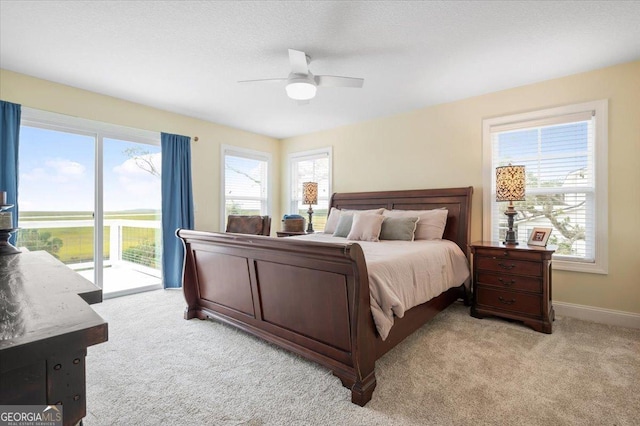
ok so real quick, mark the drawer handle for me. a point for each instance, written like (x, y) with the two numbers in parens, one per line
(507, 267)
(505, 254)
(506, 302)
(507, 283)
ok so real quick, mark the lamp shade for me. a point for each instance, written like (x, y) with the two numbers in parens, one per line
(510, 183)
(310, 192)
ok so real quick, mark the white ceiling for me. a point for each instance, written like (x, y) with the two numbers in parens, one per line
(187, 56)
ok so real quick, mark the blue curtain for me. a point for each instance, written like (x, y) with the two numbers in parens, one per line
(177, 204)
(9, 138)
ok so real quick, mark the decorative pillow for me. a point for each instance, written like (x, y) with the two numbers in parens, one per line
(332, 221)
(344, 225)
(334, 216)
(431, 225)
(366, 227)
(398, 228)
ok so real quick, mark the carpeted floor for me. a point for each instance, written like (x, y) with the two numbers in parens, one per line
(158, 369)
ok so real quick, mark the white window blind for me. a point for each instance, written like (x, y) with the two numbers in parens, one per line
(311, 166)
(559, 149)
(245, 182)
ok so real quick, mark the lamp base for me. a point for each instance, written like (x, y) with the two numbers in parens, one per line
(510, 238)
(310, 225)
(510, 241)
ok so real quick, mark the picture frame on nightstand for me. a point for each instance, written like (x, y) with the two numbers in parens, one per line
(539, 237)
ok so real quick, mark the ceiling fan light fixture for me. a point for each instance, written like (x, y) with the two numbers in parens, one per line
(301, 85)
(301, 89)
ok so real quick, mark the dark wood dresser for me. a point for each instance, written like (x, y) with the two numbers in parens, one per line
(513, 282)
(46, 327)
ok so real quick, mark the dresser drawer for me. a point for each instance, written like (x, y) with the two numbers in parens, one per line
(508, 266)
(509, 301)
(511, 282)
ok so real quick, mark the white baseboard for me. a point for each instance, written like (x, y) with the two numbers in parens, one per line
(599, 315)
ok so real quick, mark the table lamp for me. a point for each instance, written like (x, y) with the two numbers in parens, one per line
(510, 183)
(310, 197)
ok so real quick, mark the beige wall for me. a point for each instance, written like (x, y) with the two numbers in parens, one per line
(441, 146)
(48, 96)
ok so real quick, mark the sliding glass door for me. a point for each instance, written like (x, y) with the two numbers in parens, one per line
(131, 215)
(92, 200)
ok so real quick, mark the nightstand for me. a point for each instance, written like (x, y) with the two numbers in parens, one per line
(289, 234)
(513, 282)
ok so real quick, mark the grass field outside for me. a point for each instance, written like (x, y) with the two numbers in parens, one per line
(74, 244)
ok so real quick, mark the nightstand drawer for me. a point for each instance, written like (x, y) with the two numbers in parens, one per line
(511, 282)
(500, 253)
(509, 301)
(509, 266)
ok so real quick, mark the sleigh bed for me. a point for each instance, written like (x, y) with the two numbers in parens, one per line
(313, 298)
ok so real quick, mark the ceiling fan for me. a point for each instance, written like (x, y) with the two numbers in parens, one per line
(302, 85)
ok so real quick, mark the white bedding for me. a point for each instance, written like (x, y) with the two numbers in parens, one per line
(404, 274)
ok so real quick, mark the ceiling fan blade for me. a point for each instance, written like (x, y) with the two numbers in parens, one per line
(298, 62)
(335, 81)
(265, 80)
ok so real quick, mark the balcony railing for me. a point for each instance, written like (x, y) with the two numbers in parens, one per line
(136, 244)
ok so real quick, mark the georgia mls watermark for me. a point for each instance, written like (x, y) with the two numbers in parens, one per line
(30, 415)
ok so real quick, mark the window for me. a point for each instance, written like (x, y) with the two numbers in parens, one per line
(310, 166)
(245, 182)
(564, 151)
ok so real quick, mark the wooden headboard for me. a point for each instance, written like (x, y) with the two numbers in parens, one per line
(456, 200)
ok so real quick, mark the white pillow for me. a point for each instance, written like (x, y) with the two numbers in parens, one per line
(334, 217)
(332, 221)
(366, 227)
(431, 224)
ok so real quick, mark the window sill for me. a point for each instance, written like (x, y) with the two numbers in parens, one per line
(590, 268)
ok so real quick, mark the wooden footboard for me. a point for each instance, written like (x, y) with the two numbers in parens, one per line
(310, 298)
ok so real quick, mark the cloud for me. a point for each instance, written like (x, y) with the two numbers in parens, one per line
(56, 184)
(57, 170)
(66, 168)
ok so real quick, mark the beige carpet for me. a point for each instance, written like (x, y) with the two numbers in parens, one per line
(157, 369)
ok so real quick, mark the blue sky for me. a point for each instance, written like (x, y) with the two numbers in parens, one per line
(57, 173)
